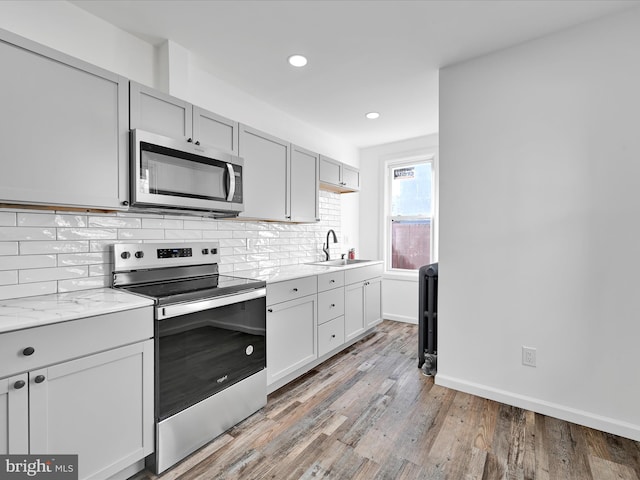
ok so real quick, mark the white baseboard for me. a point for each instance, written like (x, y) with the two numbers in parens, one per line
(581, 417)
(400, 318)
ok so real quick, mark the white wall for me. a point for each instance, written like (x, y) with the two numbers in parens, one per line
(539, 200)
(71, 30)
(399, 292)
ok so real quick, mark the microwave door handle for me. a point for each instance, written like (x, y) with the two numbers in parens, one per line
(232, 182)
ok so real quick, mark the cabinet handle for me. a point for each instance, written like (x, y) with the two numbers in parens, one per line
(39, 378)
(28, 351)
(332, 281)
(19, 384)
(333, 336)
(190, 140)
(270, 310)
(125, 204)
(333, 305)
(295, 289)
(197, 142)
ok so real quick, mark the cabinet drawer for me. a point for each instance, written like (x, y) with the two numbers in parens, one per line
(330, 304)
(66, 340)
(327, 281)
(291, 289)
(354, 275)
(330, 335)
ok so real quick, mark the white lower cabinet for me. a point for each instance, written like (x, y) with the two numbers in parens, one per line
(291, 328)
(363, 299)
(311, 318)
(98, 406)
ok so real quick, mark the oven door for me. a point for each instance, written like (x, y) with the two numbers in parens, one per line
(203, 351)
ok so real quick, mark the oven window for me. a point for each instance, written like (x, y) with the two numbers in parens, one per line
(203, 353)
(170, 175)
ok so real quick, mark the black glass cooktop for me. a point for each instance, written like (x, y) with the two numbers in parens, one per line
(175, 291)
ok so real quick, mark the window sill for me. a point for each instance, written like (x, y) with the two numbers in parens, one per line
(410, 276)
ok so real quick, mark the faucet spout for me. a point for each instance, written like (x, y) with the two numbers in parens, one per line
(325, 246)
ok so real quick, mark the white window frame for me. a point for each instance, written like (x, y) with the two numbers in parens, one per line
(386, 223)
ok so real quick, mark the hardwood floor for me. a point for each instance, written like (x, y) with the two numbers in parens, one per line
(369, 413)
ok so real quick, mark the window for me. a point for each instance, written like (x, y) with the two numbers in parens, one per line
(410, 214)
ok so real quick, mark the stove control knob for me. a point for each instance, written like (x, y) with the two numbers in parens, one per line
(139, 254)
(125, 255)
(205, 251)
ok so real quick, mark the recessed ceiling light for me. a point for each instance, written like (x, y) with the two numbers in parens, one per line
(372, 115)
(298, 60)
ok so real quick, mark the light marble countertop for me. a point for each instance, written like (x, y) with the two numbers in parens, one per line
(20, 313)
(290, 272)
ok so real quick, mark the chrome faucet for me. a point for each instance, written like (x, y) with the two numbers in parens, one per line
(325, 247)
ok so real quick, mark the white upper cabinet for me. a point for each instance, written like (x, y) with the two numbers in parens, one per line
(63, 129)
(157, 112)
(338, 177)
(265, 175)
(280, 179)
(304, 185)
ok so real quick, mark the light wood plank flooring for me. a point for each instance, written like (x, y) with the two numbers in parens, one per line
(369, 413)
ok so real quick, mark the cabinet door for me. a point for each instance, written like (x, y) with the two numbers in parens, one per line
(215, 131)
(329, 170)
(353, 310)
(373, 302)
(14, 415)
(100, 407)
(64, 129)
(265, 175)
(291, 336)
(350, 177)
(304, 185)
(160, 113)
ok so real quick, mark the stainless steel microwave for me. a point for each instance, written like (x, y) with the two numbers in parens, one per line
(169, 174)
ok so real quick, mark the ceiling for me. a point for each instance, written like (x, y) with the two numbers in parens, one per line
(363, 55)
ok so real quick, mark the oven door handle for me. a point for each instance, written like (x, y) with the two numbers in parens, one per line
(192, 307)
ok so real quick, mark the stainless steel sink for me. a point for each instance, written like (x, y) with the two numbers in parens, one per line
(339, 263)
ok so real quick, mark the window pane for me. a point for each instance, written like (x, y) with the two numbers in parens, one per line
(411, 190)
(410, 243)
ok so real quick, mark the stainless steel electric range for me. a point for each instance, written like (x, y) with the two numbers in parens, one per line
(210, 342)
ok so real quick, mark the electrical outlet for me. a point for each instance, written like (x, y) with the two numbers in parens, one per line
(529, 356)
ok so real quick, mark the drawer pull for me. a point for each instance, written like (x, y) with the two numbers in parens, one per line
(270, 310)
(333, 305)
(332, 281)
(19, 384)
(39, 378)
(333, 336)
(295, 289)
(28, 351)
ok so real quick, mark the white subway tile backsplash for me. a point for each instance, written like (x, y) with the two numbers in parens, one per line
(162, 223)
(51, 220)
(27, 233)
(183, 234)
(8, 248)
(9, 277)
(45, 274)
(84, 283)
(87, 233)
(200, 225)
(7, 219)
(140, 234)
(83, 258)
(27, 290)
(40, 247)
(47, 252)
(20, 262)
(115, 222)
